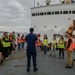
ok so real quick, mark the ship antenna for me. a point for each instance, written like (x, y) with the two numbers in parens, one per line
(34, 3)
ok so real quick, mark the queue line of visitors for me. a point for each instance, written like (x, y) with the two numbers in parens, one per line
(8, 44)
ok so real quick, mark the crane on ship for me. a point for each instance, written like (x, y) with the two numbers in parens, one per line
(71, 27)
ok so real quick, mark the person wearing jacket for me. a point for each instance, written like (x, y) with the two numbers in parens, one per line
(6, 45)
(69, 50)
(23, 41)
(31, 49)
(45, 43)
(61, 47)
(38, 44)
(19, 41)
(14, 40)
(53, 48)
(1, 53)
(11, 43)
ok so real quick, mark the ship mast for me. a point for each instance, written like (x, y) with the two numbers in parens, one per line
(34, 3)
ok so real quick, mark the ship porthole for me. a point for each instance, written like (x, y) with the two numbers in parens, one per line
(55, 26)
(69, 18)
(45, 26)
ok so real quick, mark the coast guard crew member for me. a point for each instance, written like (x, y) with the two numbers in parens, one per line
(31, 49)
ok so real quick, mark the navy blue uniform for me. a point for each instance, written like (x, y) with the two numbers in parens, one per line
(31, 48)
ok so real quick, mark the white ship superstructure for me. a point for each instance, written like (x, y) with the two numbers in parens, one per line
(53, 19)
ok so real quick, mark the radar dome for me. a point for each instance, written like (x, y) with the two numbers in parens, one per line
(47, 2)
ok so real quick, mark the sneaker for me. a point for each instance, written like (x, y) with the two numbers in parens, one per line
(7, 58)
(35, 69)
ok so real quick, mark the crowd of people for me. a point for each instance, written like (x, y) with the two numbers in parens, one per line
(8, 44)
(34, 45)
(62, 45)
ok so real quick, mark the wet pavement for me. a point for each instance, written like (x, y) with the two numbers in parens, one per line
(47, 65)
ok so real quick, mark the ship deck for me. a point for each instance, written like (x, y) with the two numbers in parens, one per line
(47, 65)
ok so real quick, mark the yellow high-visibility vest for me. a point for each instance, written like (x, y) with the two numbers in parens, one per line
(5, 44)
(45, 42)
(61, 45)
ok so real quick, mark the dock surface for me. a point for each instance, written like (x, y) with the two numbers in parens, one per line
(47, 65)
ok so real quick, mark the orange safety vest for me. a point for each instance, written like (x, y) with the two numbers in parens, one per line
(38, 42)
(11, 39)
(18, 40)
(22, 39)
(71, 45)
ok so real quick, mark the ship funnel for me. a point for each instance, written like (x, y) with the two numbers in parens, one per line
(67, 1)
(47, 2)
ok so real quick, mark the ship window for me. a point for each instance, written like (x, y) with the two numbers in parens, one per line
(70, 12)
(45, 13)
(33, 14)
(65, 12)
(41, 13)
(38, 14)
(52, 13)
(60, 12)
(69, 18)
(48, 13)
(56, 12)
(73, 11)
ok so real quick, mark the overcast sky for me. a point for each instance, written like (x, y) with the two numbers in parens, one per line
(15, 14)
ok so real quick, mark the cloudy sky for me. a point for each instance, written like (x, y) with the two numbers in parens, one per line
(15, 14)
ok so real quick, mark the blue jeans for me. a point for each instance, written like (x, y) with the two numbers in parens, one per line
(53, 50)
(45, 50)
(19, 45)
(22, 45)
(38, 48)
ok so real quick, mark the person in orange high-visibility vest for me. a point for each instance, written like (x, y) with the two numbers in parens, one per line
(11, 42)
(70, 44)
(19, 41)
(74, 45)
(23, 41)
(38, 43)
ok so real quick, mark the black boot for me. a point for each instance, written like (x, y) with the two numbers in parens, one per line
(28, 69)
(1, 62)
(35, 69)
